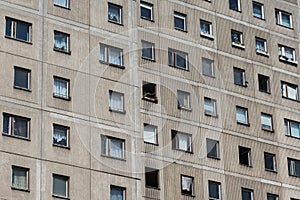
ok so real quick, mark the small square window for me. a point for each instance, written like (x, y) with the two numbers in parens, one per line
(287, 54)
(22, 78)
(149, 92)
(261, 46)
(184, 101)
(62, 3)
(235, 5)
(266, 122)
(272, 197)
(61, 42)
(214, 190)
(150, 134)
(116, 101)
(289, 90)
(152, 178)
(210, 107)
(117, 193)
(294, 167)
(206, 29)
(270, 162)
(242, 115)
(20, 178)
(181, 141)
(187, 185)
(237, 39)
(258, 10)
(112, 147)
(247, 194)
(61, 135)
(148, 50)
(60, 186)
(239, 77)
(245, 156)
(18, 30)
(114, 13)
(283, 18)
(212, 147)
(16, 126)
(208, 67)
(264, 83)
(292, 128)
(180, 21)
(146, 11)
(178, 59)
(61, 88)
(111, 55)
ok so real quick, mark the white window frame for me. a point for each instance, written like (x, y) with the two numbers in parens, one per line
(273, 160)
(286, 87)
(11, 126)
(186, 96)
(58, 94)
(174, 53)
(282, 54)
(211, 64)
(57, 3)
(67, 179)
(176, 135)
(107, 140)
(120, 13)
(146, 44)
(292, 167)
(182, 17)
(261, 8)
(13, 30)
(288, 128)
(184, 187)
(213, 102)
(149, 7)
(219, 190)
(245, 110)
(248, 190)
(67, 50)
(205, 34)
(155, 136)
(23, 169)
(238, 4)
(279, 14)
(263, 51)
(121, 95)
(264, 126)
(28, 71)
(106, 56)
(67, 132)
(240, 37)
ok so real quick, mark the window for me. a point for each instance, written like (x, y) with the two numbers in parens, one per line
(239, 77)
(235, 5)
(148, 50)
(61, 42)
(60, 186)
(114, 13)
(22, 78)
(16, 126)
(212, 147)
(214, 190)
(111, 55)
(116, 101)
(206, 29)
(283, 18)
(289, 90)
(258, 10)
(61, 87)
(245, 156)
(292, 128)
(270, 162)
(286, 54)
(210, 107)
(272, 197)
(187, 185)
(208, 67)
(152, 177)
(18, 30)
(183, 100)
(179, 21)
(117, 193)
(112, 147)
(147, 11)
(247, 194)
(149, 92)
(150, 134)
(237, 39)
(294, 167)
(266, 122)
(261, 46)
(242, 115)
(181, 141)
(264, 83)
(178, 59)
(62, 3)
(61, 135)
(20, 178)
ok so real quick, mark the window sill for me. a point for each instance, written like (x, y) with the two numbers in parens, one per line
(272, 171)
(295, 176)
(59, 197)
(212, 157)
(285, 59)
(268, 130)
(59, 6)
(180, 29)
(146, 58)
(61, 51)
(21, 88)
(153, 188)
(211, 114)
(16, 39)
(246, 165)
(262, 53)
(112, 65)
(259, 18)
(62, 98)
(291, 136)
(61, 146)
(285, 26)
(296, 100)
(117, 23)
(242, 123)
(20, 189)
(237, 45)
(185, 69)
(145, 18)
(245, 85)
(184, 108)
(267, 92)
(236, 10)
(17, 137)
(153, 100)
(208, 36)
(154, 144)
(188, 195)
(116, 158)
(189, 152)
(117, 111)
(210, 76)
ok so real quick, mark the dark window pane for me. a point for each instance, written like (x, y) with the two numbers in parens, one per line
(60, 136)
(8, 30)
(238, 76)
(180, 61)
(213, 188)
(269, 161)
(233, 4)
(21, 78)
(22, 32)
(263, 82)
(146, 13)
(246, 195)
(272, 197)
(179, 22)
(244, 155)
(212, 150)
(6, 127)
(297, 168)
(20, 127)
(151, 177)
(59, 186)
(170, 58)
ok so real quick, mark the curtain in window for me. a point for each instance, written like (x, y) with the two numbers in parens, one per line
(292, 92)
(103, 53)
(60, 42)
(289, 53)
(285, 18)
(116, 148)
(63, 3)
(116, 101)
(116, 194)
(150, 134)
(186, 183)
(266, 121)
(20, 127)
(60, 136)
(6, 124)
(233, 4)
(183, 99)
(295, 131)
(183, 142)
(209, 106)
(115, 56)
(260, 45)
(257, 10)
(19, 179)
(60, 88)
(241, 115)
(236, 37)
(297, 168)
(59, 186)
(114, 13)
(205, 28)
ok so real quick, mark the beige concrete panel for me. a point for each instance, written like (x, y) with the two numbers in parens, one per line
(216, 177)
(216, 80)
(78, 11)
(6, 163)
(151, 38)
(208, 5)
(269, 15)
(152, 25)
(28, 4)
(222, 7)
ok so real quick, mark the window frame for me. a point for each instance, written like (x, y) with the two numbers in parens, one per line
(219, 190)
(155, 134)
(152, 172)
(246, 116)
(185, 95)
(28, 71)
(175, 137)
(151, 97)
(106, 55)
(68, 39)
(292, 167)
(278, 18)
(282, 54)
(243, 73)
(248, 190)
(287, 125)
(213, 102)
(11, 128)
(261, 8)
(204, 34)
(238, 44)
(287, 95)
(238, 9)
(271, 129)
(152, 50)
(148, 6)
(174, 53)
(58, 95)
(273, 160)
(113, 109)
(67, 184)
(192, 185)
(245, 150)
(272, 196)
(211, 65)
(265, 78)
(215, 143)
(123, 189)
(120, 22)
(67, 132)
(107, 153)
(263, 52)
(24, 169)
(61, 6)
(181, 16)
(13, 29)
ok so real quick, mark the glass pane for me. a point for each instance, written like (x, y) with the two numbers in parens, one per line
(60, 136)
(184, 142)
(181, 60)
(233, 4)
(171, 58)
(272, 197)
(60, 186)
(207, 67)
(295, 131)
(60, 88)
(8, 29)
(183, 99)
(269, 162)
(292, 92)
(114, 13)
(285, 18)
(147, 50)
(289, 53)
(260, 45)
(116, 193)
(241, 115)
(20, 127)
(246, 195)
(103, 145)
(236, 37)
(63, 3)
(115, 56)
(150, 134)
(116, 148)
(238, 76)
(22, 31)
(297, 168)
(209, 106)
(21, 78)
(179, 22)
(116, 101)
(19, 178)
(212, 150)
(103, 53)
(186, 183)
(257, 10)
(213, 190)
(61, 42)
(266, 121)
(6, 124)
(146, 12)
(205, 27)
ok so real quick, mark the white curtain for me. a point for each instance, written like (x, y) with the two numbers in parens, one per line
(116, 148)
(295, 131)
(183, 142)
(260, 45)
(63, 3)
(241, 115)
(60, 42)
(103, 50)
(292, 92)
(285, 20)
(115, 56)
(205, 28)
(60, 136)
(116, 101)
(186, 183)
(209, 106)
(183, 99)
(20, 178)
(150, 134)
(116, 194)
(289, 54)
(60, 88)
(114, 14)
(266, 121)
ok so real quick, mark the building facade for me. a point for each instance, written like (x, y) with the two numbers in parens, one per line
(153, 99)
